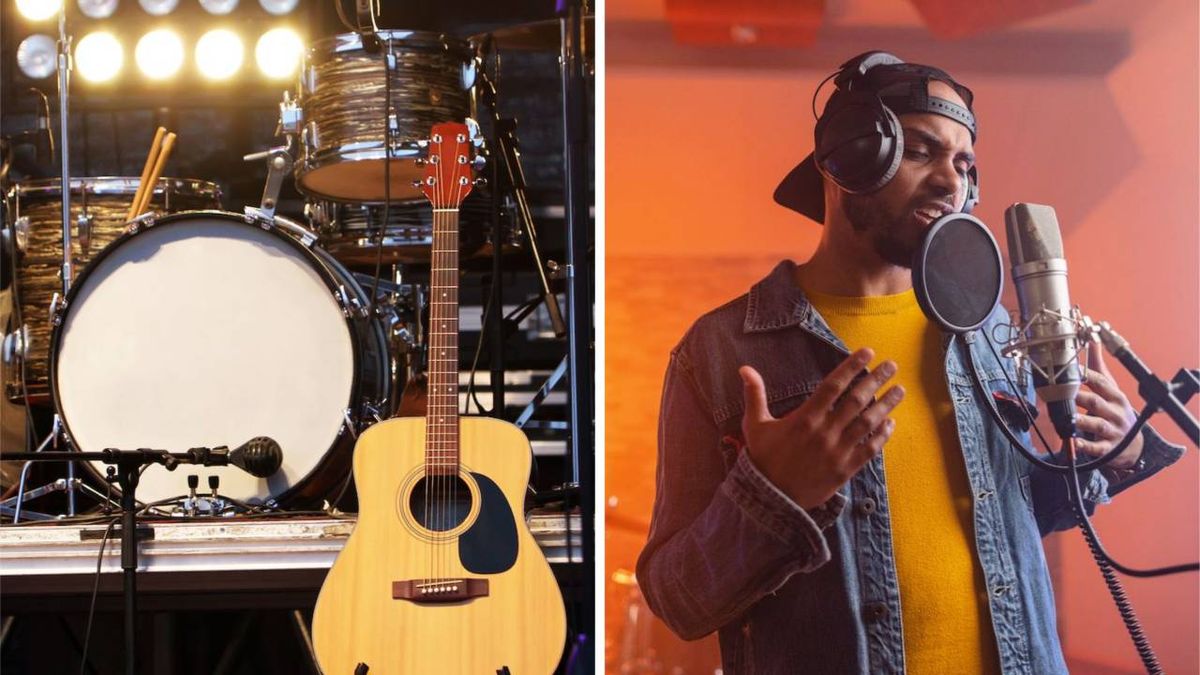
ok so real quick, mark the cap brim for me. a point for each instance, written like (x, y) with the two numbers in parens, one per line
(803, 190)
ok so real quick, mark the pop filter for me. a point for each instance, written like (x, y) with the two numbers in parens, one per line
(958, 273)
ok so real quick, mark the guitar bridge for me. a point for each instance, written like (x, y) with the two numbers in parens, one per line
(436, 591)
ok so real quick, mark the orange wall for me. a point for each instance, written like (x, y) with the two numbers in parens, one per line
(692, 158)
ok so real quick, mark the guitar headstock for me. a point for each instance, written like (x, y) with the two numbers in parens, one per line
(448, 168)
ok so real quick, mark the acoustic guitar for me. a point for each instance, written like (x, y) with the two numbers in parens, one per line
(441, 575)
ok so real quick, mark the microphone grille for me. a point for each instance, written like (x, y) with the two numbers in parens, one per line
(1033, 233)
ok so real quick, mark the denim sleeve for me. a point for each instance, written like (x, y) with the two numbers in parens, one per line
(721, 536)
(1051, 501)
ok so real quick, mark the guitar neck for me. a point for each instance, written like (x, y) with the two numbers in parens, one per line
(441, 417)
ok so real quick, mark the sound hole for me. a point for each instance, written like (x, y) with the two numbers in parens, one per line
(440, 503)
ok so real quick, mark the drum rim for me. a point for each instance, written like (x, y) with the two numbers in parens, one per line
(38, 185)
(59, 320)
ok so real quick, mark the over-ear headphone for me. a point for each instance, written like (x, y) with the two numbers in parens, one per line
(859, 140)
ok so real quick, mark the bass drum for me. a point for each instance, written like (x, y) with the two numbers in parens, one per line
(209, 328)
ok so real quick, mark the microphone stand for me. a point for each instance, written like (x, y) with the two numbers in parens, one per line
(1170, 397)
(128, 466)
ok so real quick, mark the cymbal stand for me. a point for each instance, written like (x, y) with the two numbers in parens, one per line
(505, 129)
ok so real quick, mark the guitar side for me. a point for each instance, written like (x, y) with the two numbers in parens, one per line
(517, 621)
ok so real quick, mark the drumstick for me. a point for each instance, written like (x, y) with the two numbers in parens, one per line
(168, 143)
(150, 157)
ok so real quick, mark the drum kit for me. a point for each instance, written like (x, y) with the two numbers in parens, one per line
(193, 326)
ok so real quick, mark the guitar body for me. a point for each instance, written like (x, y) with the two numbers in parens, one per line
(517, 621)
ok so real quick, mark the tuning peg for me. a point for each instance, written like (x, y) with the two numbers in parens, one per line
(479, 162)
(481, 181)
(416, 183)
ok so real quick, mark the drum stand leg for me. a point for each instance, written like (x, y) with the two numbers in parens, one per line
(69, 487)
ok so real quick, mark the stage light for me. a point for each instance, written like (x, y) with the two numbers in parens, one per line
(99, 57)
(159, 54)
(36, 56)
(219, 6)
(219, 54)
(278, 53)
(278, 7)
(158, 7)
(97, 9)
(40, 10)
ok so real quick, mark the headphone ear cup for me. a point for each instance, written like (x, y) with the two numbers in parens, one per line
(859, 145)
(972, 190)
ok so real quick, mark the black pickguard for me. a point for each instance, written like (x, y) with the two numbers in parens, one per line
(490, 545)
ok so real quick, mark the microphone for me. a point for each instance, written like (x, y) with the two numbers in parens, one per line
(1050, 339)
(260, 456)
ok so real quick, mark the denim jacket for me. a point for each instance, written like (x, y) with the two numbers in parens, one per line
(815, 591)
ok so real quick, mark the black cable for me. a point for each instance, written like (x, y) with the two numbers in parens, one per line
(1019, 445)
(387, 177)
(341, 12)
(817, 91)
(472, 392)
(1076, 493)
(1072, 470)
(87, 634)
(1106, 565)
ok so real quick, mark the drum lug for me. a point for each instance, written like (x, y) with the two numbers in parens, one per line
(83, 225)
(351, 307)
(16, 345)
(146, 220)
(291, 115)
(348, 424)
(21, 234)
(58, 305)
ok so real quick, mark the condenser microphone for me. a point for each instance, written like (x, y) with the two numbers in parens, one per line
(1049, 337)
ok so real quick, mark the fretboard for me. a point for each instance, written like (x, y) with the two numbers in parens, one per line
(441, 417)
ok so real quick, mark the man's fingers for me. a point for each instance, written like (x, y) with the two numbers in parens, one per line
(754, 393)
(1102, 383)
(860, 396)
(872, 445)
(872, 417)
(1099, 407)
(837, 381)
(1098, 427)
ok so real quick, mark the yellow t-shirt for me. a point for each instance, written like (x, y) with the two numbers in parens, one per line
(943, 597)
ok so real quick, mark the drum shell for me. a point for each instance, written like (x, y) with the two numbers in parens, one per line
(38, 205)
(351, 231)
(342, 96)
(370, 388)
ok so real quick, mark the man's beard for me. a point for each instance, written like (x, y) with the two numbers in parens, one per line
(891, 235)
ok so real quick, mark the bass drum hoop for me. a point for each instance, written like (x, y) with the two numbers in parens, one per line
(315, 483)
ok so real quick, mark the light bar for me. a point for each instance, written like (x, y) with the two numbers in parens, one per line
(278, 53)
(159, 54)
(219, 54)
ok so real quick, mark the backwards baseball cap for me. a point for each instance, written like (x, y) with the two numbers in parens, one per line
(901, 87)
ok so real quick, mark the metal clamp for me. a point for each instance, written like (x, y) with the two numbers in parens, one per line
(83, 225)
(291, 115)
(279, 164)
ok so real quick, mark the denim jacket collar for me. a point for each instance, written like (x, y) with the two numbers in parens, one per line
(777, 302)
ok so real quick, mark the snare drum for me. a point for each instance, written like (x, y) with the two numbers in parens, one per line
(342, 93)
(209, 328)
(98, 209)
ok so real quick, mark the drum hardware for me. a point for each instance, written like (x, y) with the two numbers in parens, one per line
(271, 283)
(510, 154)
(279, 164)
(129, 465)
(345, 101)
(98, 209)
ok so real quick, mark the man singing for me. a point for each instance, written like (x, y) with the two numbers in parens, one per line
(833, 495)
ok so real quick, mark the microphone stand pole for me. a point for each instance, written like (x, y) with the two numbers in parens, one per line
(64, 147)
(1170, 397)
(128, 467)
